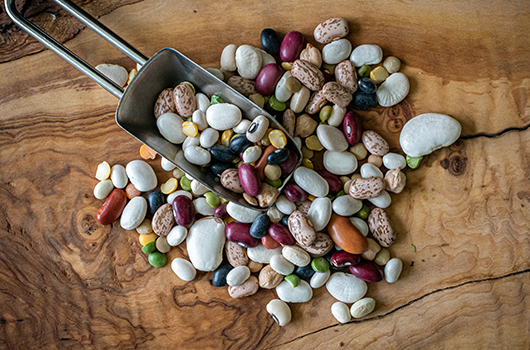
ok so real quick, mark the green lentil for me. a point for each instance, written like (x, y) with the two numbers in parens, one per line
(274, 183)
(325, 113)
(276, 105)
(331, 197)
(149, 247)
(341, 193)
(212, 199)
(185, 183)
(157, 259)
(216, 99)
(363, 213)
(413, 162)
(320, 265)
(257, 99)
(364, 71)
(293, 279)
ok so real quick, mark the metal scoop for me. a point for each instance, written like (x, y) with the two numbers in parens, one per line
(166, 69)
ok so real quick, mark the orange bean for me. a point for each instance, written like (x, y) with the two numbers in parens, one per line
(147, 153)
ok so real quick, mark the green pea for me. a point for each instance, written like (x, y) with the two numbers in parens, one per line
(276, 105)
(216, 99)
(212, 199)
(257, 99)
(320, 265)
(341, 193)
(325, 113)
(185, 183)
(190, 119)
(223, 200)
(149, 247)
(363, 213)
(157, 259)
(413, 162)
(293, 279)
(364, 71)
(274, 183)
(190, 85)
(322, 123)
(329, 67)
(331, 196)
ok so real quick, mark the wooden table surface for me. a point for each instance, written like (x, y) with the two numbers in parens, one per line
(68, 282)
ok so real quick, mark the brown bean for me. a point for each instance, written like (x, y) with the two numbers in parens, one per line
(163, 220)
(244, 86)
(315, 104)
(346, 75)
(308, 74)
(111, 210)
(164, 103)
(336, 93)
(184, 100)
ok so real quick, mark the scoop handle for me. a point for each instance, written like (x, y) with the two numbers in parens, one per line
(68, 55)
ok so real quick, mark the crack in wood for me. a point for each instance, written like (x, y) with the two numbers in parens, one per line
(413, 301)
(497, 134)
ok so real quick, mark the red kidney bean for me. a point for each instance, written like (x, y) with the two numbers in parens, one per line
(220, 212)
(367, 270)
(267, 79)
(112, 208)
(294, 193)
(184, 211)
(262, 162)
(289, 165)
(269, 242)
(353, 129)
(239, 232)
(292, 44)
(281, 234)
(335, 185)
(249, 179)
(342, 258)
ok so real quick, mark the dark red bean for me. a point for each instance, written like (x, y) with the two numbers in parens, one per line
(267, 79)
(249, 179)
(112, 208)
(353, 129)
(367, 271)
(292, 44)
(239, 232)
(220, 212)
(342, 258)
(184, 211)
(335, 185)
(289, 165)
(294, 193)
(281, 234)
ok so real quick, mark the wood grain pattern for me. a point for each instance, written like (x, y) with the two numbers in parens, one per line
(68, 282)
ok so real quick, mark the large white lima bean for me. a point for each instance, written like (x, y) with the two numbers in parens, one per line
(299, 294)
(311, 182)
(393, 90)
(428, 132)
(320, 213)
(340, 163)
(366, 54)
(141, 175)
(170, 127)
(223, 116)
(134, 213)
(280, 311)
(183, 269)
(346, 287)
(205, 243)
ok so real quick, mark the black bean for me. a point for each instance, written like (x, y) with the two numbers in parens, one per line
(270, 41)
(278, 156)
(155, 200)
(260, 226)
(362, 100)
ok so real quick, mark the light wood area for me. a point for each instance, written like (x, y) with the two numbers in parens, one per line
(68, 282)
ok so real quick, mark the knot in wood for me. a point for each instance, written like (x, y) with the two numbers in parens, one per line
(457, 165)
